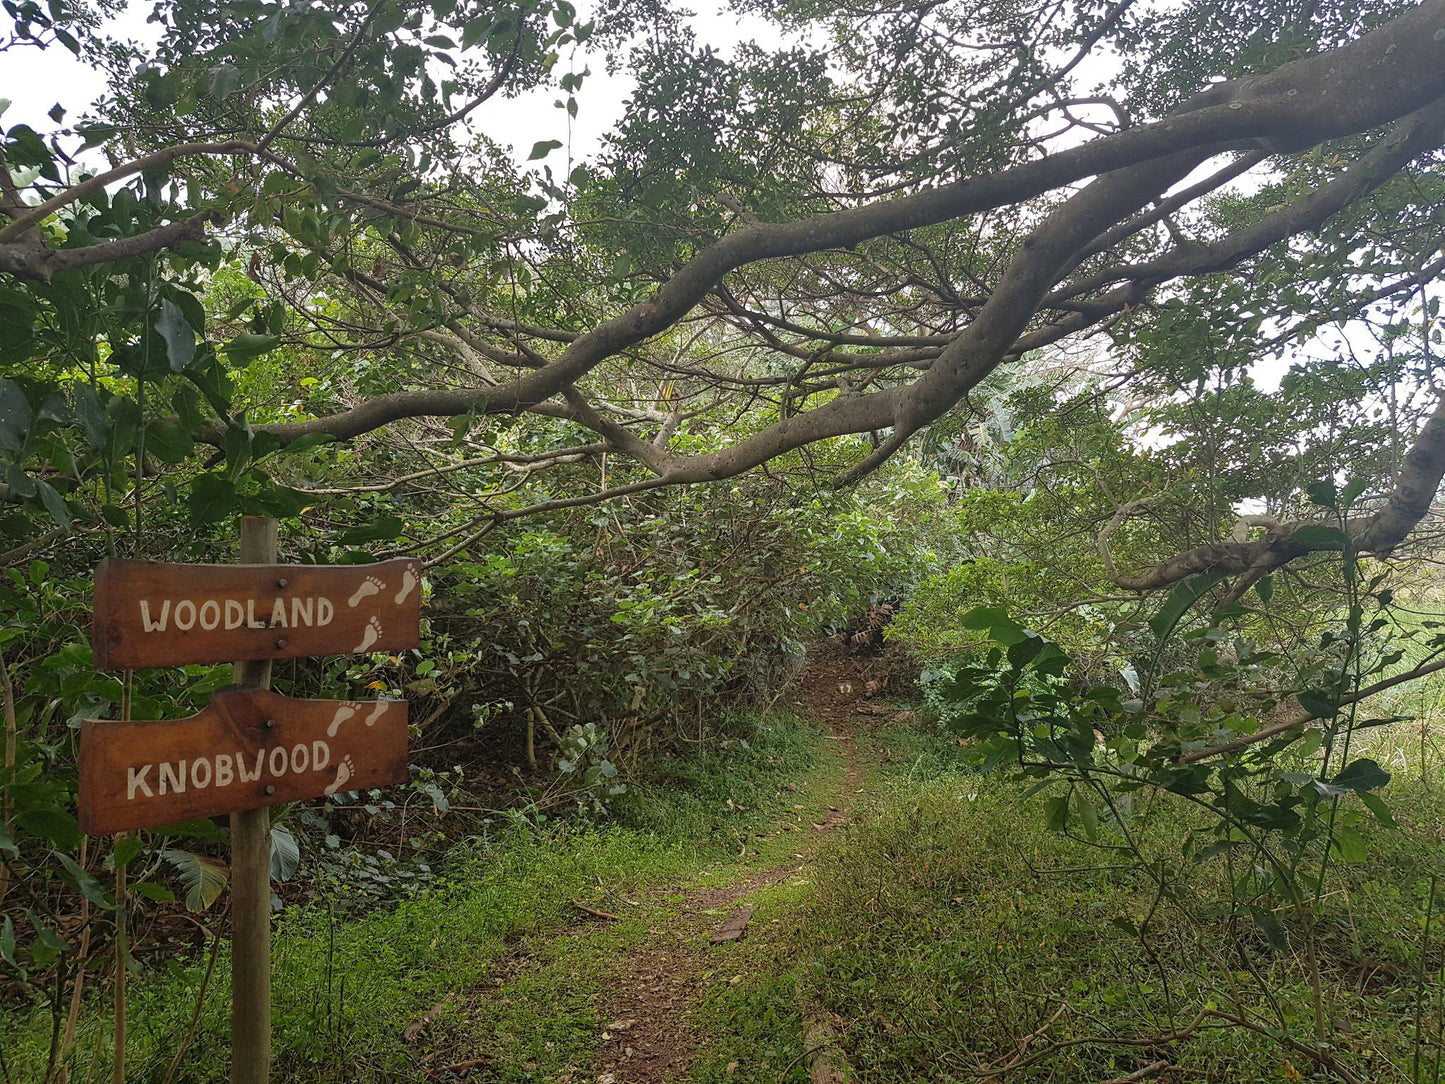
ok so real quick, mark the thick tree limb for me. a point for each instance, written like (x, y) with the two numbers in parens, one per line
(1388, 73)
(1377, 534)
(34, 261)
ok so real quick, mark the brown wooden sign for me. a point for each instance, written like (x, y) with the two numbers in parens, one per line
(249, 748)
(153, 614)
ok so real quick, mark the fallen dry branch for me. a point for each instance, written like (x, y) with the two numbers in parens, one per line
(1152, 1069)
(1300, 718)
(607, 915)
(827, 1064)
(421, 1023)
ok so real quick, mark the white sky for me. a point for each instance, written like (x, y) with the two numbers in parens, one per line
(35, 80)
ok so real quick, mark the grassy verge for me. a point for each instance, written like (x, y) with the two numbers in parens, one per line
(951, 925)
(345, 989)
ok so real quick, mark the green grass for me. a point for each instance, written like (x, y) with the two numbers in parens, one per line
(345, 988)
(951, 924)
(937, 929)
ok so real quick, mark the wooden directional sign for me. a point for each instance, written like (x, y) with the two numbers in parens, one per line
(249, 748)
(153, 614)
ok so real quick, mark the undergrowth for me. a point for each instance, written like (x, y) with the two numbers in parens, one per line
(346, 986)
(957, 938)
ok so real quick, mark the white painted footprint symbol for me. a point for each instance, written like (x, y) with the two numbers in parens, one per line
(346, 711)
(369, 635)
(344, 771)
(369, 586)
(409, 580)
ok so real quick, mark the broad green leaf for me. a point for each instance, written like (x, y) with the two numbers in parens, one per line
(54, 503)
(542, 148)
(1349, 845)
(92, 415)
(225, 80)
(55, 825)
(179, 336)
(1380, 808)
(1323, 493)
(285, 854)
(996, 621)
(83, 882)
(309, 441)
(169, 442)
(1269, 925)
(213, 498)
(1181, 600)
(15, 416)
(1088, 814)
(126, 848)
(1264, 588)
(204, 878)
(1361, 775)
(1318, 703)
(1056, 812)
(383, 529)
(244, 349)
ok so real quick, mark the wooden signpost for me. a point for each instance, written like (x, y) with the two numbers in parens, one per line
(249, 748)
(153, 614)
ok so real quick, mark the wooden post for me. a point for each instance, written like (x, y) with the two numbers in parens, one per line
(251, 878)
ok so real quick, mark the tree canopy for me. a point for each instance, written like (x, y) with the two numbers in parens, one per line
(814, 247)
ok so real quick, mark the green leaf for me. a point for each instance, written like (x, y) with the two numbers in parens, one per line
(152, 891)
(204, 878)
(237, 446)
(384, 529)
(285, 854)
(83, 882)
(542, 148)
(1264, 588)
(7, 942)
(54, 504)
(1056, 813)
(1318, 703)
(994, 620)
(309, 441)
(180, 337)
(213, 498)
(225, 80)
(1089, 815)
(279, 502)
(169, 442)
(1380, 808)
(1270, 926)
(55, 825)
(126, 848)
(1323, 493)
(92, 415)
(1349, 845)
(244, 349)
(1362, 775)
(15, 416)
(1181, 600)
